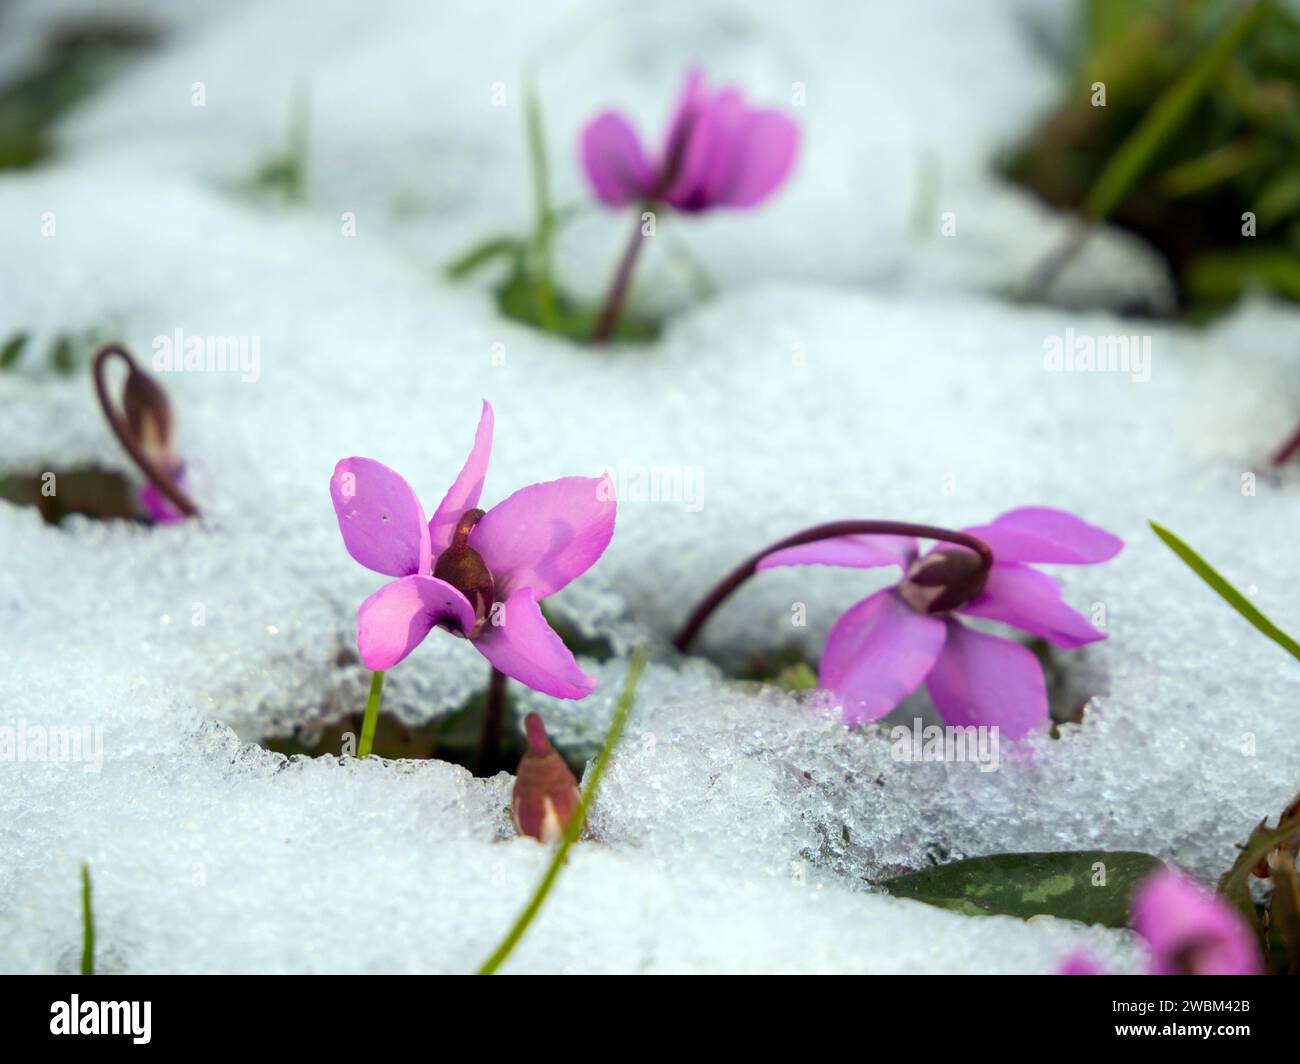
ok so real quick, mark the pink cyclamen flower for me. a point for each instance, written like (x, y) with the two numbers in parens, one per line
(1188, 931)
(477, 575)
(160, 509)
(1191, 931)
(881, 650)
(719, 152)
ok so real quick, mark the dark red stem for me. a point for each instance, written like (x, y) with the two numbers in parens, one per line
(161, 480)
(618, 289)
(1287, 449)
(835, 529)
(489, 740)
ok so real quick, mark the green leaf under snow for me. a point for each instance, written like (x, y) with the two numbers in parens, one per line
(1226, 591)
(1091, 886)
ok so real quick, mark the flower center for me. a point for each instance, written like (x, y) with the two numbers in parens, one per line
(943, 580)
(464, 569)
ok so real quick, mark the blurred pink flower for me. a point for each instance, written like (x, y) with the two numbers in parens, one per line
(160, 509)
(719, 152)
(881, 650)
(1188, 931)
(477, 575)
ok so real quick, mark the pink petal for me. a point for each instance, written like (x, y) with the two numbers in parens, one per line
(1031, 601)
(156, 504)
(1190, 930)
(690, 102)
(381, 519)
(616, 166)
(760, 158)
(545, 535)
(704, 155)
(1041, 534)
(1078, 963)
(878, 653)
(525, 648)
(464, 493)
(849, 552)
(395, 619)
(983, 679)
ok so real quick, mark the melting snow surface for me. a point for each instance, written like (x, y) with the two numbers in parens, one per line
(852, 366)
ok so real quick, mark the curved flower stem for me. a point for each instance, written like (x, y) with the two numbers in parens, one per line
(122, 431)
(1287, 449)
(747, 568)
(613, 306)
(574, 827)
(489, 739)
(371, 720)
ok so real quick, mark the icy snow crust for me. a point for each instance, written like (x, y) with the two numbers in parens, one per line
(740, 827)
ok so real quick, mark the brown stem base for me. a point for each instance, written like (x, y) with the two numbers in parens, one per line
(488, 759)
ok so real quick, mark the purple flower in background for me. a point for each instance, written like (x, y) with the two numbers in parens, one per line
(477, 575)
(719, 152)
(1188, 931)
(881, 650)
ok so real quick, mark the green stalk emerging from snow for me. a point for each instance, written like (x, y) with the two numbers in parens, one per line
(574, 827)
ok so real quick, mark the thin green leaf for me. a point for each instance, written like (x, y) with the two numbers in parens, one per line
(1132, 159)
(63, 356)
(13, 350)
(545, 217)
(1091, 886)
(574, 827)
(87, 924)
(481, 254)
(1226, 591)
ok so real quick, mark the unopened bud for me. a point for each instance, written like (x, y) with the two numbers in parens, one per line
(148, 414)
(546, 790)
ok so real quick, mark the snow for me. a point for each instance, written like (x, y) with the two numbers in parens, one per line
(851, 367)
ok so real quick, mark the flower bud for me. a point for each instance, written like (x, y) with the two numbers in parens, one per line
(943, 580)
(546, 791)
(148, 415)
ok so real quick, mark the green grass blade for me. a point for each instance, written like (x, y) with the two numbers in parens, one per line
(574, 827)
(12, 350)
(1132, 159)
(539, 165)
(87, 924)
(1226, 591)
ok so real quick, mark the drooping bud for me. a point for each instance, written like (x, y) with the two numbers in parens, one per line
(546, 790)
(464, 569)
(943, 580)
(148, 415)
